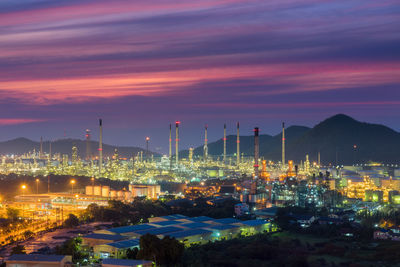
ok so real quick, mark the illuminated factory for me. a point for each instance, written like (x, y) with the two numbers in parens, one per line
(114, 242)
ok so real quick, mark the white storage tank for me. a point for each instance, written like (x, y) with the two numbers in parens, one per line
(113, 194)
(140, 191)
(157, 189)
(89, 190)
(150, 191)
(105, 191)
(97, 190)
(127, 195)
(120, 194)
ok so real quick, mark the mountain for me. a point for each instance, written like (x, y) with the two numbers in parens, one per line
(21, 146)
(334, 138)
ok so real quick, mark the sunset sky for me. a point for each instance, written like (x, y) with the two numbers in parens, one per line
(141, 65)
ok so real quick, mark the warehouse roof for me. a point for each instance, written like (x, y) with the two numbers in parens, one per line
(125, 243)
(200, 219)
(165, 223)
(131, 228)
(121, 262)
(223, 227)
(36, 257)
(159, 231)
(104, 236)
(189, 233)
(227, 220)
(254, 222)
(195, 225)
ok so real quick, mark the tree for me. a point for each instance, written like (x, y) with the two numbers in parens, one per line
(132, 253)
(172, 251)
(27, 234)
(167, 251)
(12, 214)
(18, 249)
(72, 247)
(71, 221)
(150, 247)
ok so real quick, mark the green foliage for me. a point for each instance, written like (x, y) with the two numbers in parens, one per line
(27, 234)
(72, 247)
(224, 209)
(12, 214)
(71, 221)
(18, 249)
(258, 250)
(125, 213)
(167, 251)
(132, 253)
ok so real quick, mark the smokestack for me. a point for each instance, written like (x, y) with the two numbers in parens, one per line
(49, 151)
(256, 152)
(147, 148)
(224, 143)
(177, 142)
(319, 158)
(41, 147)
(101, 146)
(88, 148)
(237, 145)
(283, 144)
(170, 142)
(205, 152)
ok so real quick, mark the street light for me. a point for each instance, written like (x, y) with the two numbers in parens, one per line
(37, 186)
(72, 185)
(92, 179)
(23, 187)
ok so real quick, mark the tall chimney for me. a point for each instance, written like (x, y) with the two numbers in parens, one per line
(147, 148)
(88, 150)
(177, 142)
(237, 145)
(205, 152)
(50, 152)
(170, 142)
(224, 143)
(283, 145)
(256, 153)
(319, 158)
(41, 148)
(101, 146)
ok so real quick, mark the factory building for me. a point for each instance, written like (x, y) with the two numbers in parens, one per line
(34, 260)
(114, 242)
(126, 263)
(139, 190)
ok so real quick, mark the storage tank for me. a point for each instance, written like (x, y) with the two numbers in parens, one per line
(97, 190)
(157, 189)
(140, 191)
(252, 198)
(130, 187)
(89, 190)
(127, 195)
(105, 191)
(113, 194)
(244, 198)
(120, 194)
(150, 191)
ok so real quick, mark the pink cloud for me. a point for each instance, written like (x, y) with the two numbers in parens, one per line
(14, 121)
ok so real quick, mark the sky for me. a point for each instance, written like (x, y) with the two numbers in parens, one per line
(141, 65)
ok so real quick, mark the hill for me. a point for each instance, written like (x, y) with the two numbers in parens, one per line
(21, 146)
(334, 138)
